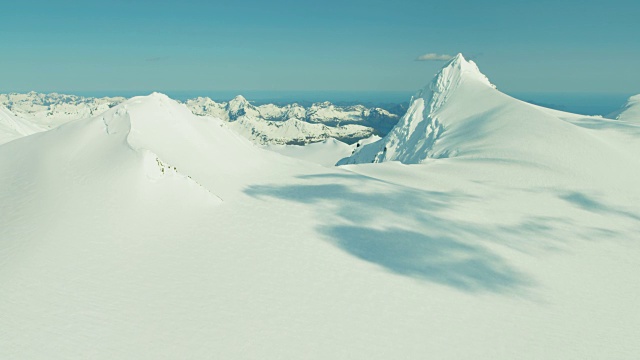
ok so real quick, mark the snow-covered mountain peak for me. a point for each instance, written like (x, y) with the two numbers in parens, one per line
(447, 80)
(238, 102)
(164, 109)
(460, 114)
(172, 140)
(414, 137)
(240, 106)
(159, 96)
(150, 122)
(459, 65)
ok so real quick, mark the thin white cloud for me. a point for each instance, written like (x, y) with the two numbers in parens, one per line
(434, 57)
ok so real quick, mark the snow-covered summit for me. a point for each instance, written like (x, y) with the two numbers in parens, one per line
(461, 114)
(457, 70)
(168, 129)
(412, 140)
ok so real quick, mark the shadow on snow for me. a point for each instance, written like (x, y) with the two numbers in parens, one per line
(433, 253)
(405, 231)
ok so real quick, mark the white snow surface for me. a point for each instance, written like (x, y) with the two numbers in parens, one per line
(148, 232)
(13, 127)
(325, 153)
(630, 111)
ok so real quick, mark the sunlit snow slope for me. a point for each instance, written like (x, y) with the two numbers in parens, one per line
(13, 127)
(630, 111)
(147, 232)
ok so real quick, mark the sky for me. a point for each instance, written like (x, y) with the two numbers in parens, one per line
(278, 45)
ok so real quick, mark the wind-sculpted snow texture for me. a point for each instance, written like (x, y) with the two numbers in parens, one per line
(147, 232)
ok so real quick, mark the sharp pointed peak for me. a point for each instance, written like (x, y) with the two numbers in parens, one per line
(454, 70)
(239, 98)
(458, 58)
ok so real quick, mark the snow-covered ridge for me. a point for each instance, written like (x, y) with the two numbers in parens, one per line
(264, 124)
(13, 127)
(630, 111)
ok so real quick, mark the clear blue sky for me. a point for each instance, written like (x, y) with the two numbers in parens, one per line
(533, 46)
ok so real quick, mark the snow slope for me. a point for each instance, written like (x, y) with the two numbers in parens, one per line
(151, 233)
(630, 111)
(13, 127)
(325, 153)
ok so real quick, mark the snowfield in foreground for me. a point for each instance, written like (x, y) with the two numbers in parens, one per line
(486, 228)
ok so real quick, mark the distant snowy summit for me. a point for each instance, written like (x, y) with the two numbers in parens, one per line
(264, 124)
(461, 114)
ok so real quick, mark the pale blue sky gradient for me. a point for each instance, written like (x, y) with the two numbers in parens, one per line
(523, 46)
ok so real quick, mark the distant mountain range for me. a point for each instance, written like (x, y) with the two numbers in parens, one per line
(263, 124)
